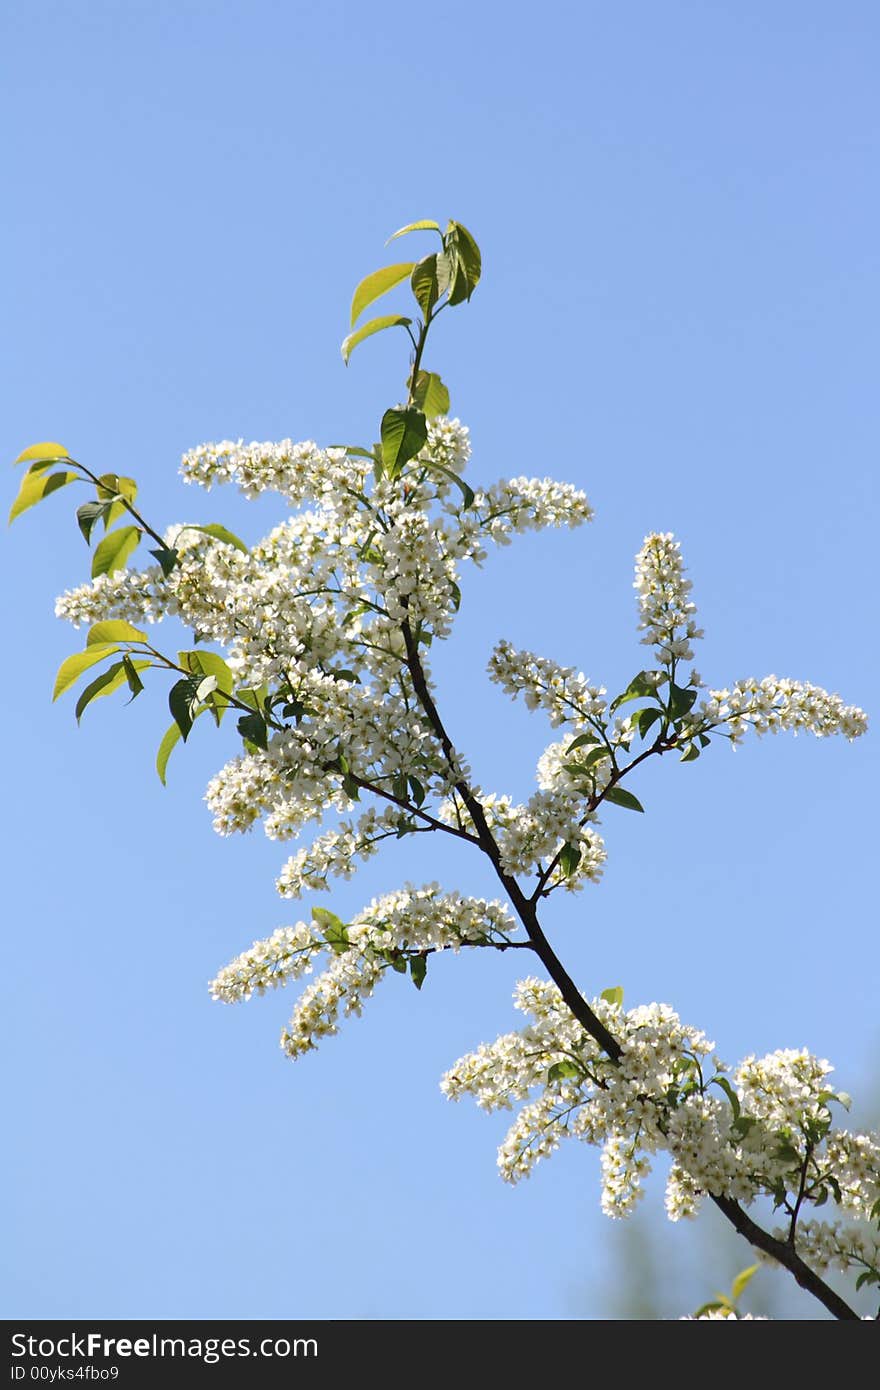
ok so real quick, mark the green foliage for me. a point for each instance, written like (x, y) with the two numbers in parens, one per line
(642, 685)
(73, 667)
(120, 673)
(35, 486)
(613, 995)
(404, 432)
(621, 797)
(426, 225)
(170, 739)
(115, 630)
(374, 286)
(368, 329)
(114, 550)
(563, 1071)
(333, 929)
(728, 1303)
(221, 533)
(430, 395)
(43, 454)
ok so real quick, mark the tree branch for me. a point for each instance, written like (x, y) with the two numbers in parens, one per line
(783, 1253)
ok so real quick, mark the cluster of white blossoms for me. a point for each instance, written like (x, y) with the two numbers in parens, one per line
(773, 705)
(283, 956)
(667, 615)
(296, 471)
(335, 853)
(390, 931)
(531, 836)
(137, 596)
(765, 1129)
(566, 696)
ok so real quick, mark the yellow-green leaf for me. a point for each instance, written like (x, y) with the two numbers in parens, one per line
(373, 286)
(36, 486)
(113, 552)
(368, 329)
(118, 630)
(105, 684)
(426, 225)
(72, 667)
(170, 739)
(742, 1279)
(41, 452)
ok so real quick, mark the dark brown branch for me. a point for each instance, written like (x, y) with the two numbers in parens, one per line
(778, 1250)
(784, 1254)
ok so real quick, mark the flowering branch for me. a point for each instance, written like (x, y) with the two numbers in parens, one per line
(319, 637)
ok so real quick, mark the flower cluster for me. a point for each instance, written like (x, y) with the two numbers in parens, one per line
(773, 705)
(767, 1129)
(335, 853)
(389, 932)
(666, 612)
(568, 698)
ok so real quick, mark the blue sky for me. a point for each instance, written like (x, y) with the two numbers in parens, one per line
(678, 212)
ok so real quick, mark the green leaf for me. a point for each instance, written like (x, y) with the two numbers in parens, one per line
(167, 558)
(426, 225)
(430, 395)
(113, 552)
(644, 718)
(581, 741)
(135, 684)
(255, 697)
(640, 686)
(466, 492)
(681, 700)
(333, 929)
(868, 1276)
(111, 486)
(36, 486)
(418, 791)
(742, 1280)
(72, 667)
(117, 630)
(170, 739)
(464, 253)
(583, 765)
(718, 1305)
(728, 1090)
(620, 797)
(368, 329)
(221, 533)
(204, 663)
(350, 786)
(425, 285)
(105, 684)
(181, 698)
(418, 969)
(569, 858)
(690, 754)
(404, 433)
(613, 995)
(88, 514)
(117, 488)
(47, 452)
(563, 1071)
(252, 727)
(373, 286)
